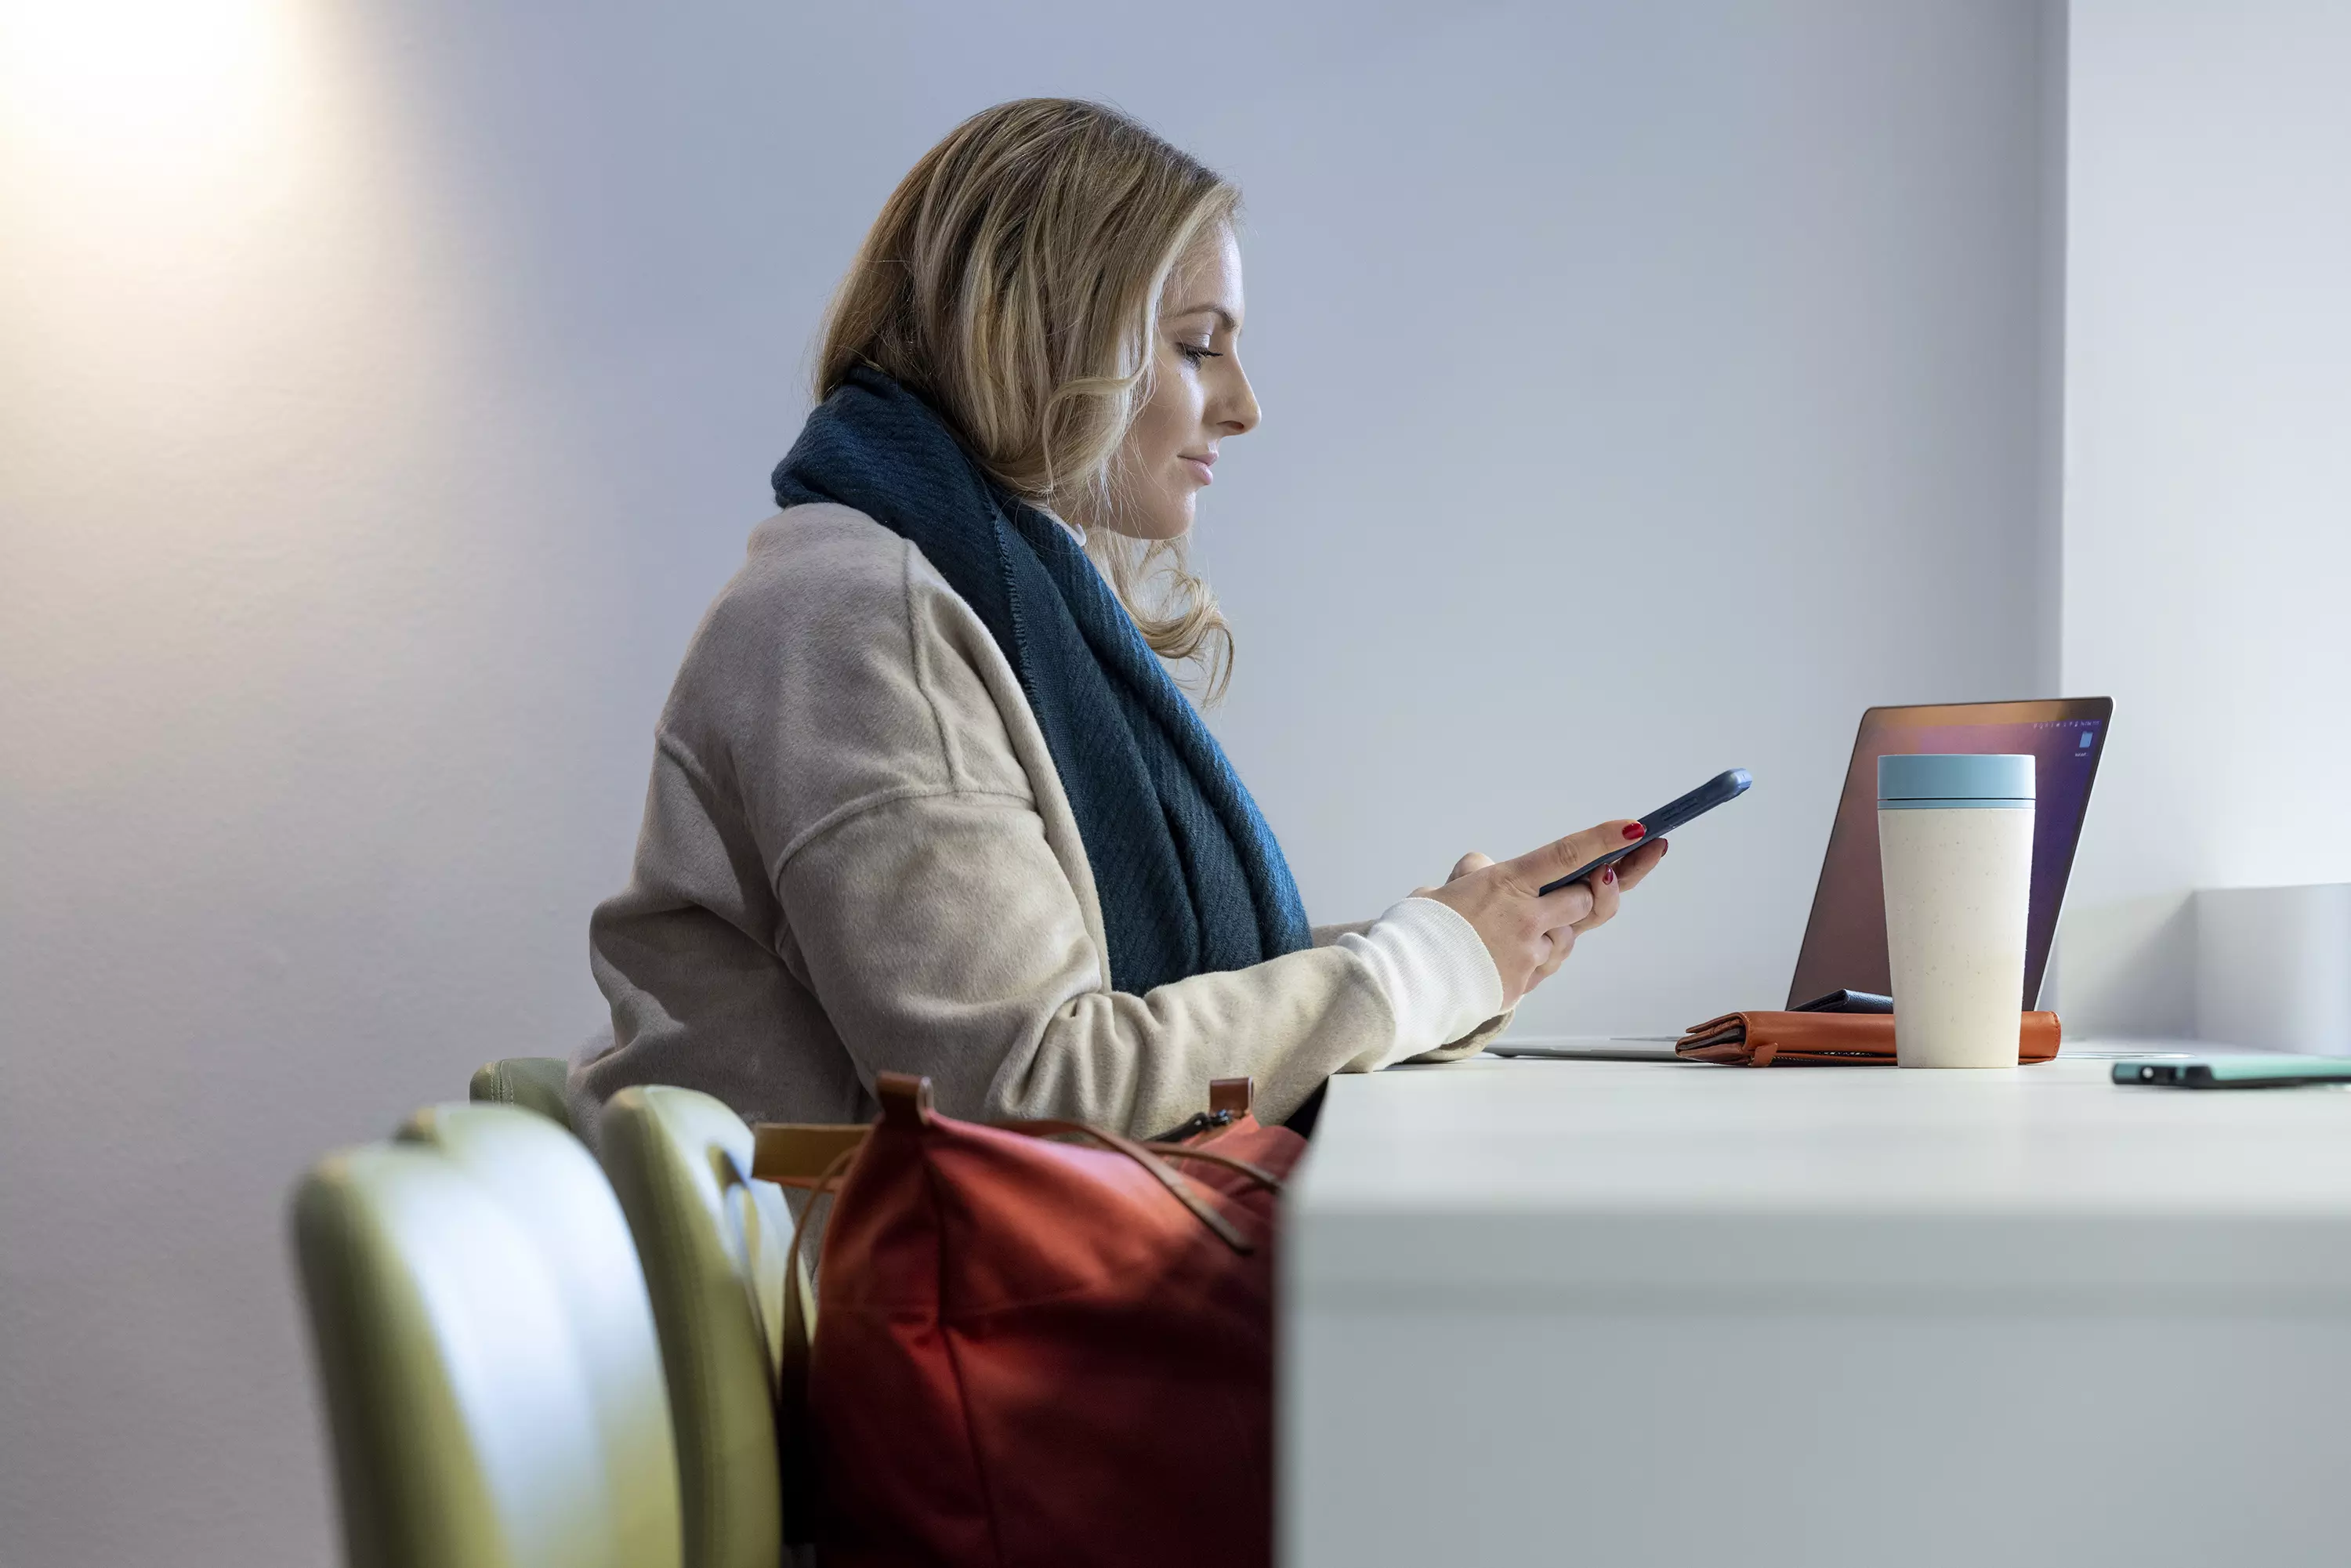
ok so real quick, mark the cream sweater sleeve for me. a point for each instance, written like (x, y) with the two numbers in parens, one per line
(1434, 969)
(942, 938)
(857, 859)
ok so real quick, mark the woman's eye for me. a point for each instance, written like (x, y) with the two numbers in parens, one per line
(1196, 352)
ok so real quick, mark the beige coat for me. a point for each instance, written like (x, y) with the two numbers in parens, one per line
(857, 858)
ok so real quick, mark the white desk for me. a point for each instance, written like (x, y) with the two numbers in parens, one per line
(1616, 1313)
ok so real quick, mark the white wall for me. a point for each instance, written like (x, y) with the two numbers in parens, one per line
(2208, 493)
(1681, 400)
(1649, 388)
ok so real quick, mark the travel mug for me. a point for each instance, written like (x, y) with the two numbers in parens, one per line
(1954, 841)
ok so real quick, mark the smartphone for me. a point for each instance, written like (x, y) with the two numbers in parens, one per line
(1722, 786)
(1847, 1001)
(2234, 1072)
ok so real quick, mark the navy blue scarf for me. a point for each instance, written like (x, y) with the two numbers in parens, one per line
(1189, 876)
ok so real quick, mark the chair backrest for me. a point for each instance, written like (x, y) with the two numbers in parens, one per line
(533, 1082)
(712, 1242)
(487, 1413)
(549, 1184)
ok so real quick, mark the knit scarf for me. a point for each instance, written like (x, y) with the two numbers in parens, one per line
(1188, 875)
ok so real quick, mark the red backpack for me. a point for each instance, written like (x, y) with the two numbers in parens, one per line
(1038, 1352)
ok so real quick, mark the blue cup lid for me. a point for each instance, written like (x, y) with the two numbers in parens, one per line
(2001, 776)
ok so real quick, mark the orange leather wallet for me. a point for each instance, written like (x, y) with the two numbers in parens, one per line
(1828, 1040)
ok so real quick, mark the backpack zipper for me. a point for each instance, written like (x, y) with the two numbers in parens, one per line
(1201, 1122)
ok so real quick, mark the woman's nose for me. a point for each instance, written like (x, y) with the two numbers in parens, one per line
(1238, 412)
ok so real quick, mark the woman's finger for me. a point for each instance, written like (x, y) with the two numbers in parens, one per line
(1468, 863)
(1605, 890)
(1565, 907)
(1639, 863)
(1563, 943)
(1541, 868)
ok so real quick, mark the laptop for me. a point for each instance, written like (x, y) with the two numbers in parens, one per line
(1844, 940)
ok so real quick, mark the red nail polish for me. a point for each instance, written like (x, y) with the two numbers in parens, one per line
(1609, 875)
(1635, 830)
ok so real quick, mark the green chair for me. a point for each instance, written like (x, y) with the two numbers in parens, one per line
(552, 1185)
(492, 1375)
(713, 1241)
(533, 1082)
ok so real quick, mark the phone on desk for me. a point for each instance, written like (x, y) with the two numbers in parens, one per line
(1847, 1001)
(2234, 1072)
(1722, 786)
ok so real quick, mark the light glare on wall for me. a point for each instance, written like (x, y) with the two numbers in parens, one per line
(147, 80)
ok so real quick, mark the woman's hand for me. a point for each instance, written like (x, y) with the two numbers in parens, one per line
(1529, 934)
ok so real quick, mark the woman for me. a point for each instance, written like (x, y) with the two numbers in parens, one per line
(925, 797)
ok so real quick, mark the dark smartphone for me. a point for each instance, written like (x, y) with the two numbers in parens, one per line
(1722, 786)
(1847, 1001)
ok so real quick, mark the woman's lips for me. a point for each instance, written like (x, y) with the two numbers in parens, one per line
(1200, 471)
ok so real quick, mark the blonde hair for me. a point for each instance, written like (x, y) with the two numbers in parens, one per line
(1013, 281)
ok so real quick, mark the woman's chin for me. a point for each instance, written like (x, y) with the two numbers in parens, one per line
(1156, 526)
(1178, 516)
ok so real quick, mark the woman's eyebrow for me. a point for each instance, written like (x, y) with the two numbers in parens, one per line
(1208, 309)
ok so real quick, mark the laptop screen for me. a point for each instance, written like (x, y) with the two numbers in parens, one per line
(1844, 941)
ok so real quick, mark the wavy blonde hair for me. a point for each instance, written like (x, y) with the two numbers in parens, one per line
(1013, 281)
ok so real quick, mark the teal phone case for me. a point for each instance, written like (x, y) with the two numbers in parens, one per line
(2233, 1071)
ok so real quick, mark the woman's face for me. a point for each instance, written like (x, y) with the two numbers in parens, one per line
(1198, 397)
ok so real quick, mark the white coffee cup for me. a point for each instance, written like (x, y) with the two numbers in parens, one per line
(1955, 839)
